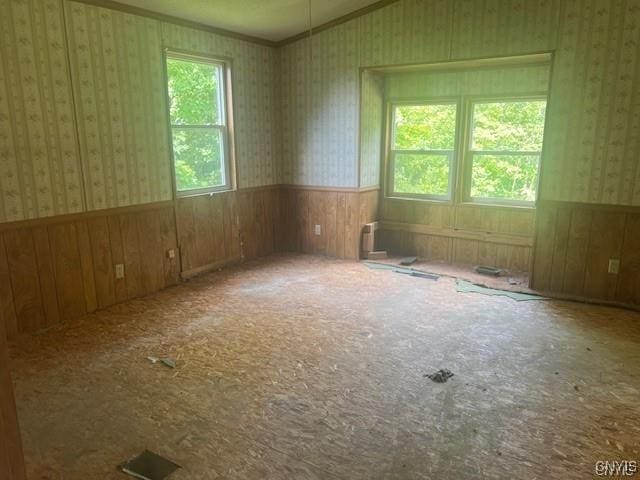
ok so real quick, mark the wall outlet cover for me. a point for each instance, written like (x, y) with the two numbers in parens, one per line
(120, 270)
(318, 230)
(171, 253)
(614, 265)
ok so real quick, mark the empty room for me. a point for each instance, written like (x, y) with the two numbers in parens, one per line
(319, 239)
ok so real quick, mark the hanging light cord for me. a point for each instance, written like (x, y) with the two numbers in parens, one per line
(310, 34)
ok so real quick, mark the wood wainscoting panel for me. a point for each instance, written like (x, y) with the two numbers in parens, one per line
(226, 227)
(340, 213)
(574, 243)
(473, 234)
(63, 267)
(25, 282)
(628, 286)
(11, 454)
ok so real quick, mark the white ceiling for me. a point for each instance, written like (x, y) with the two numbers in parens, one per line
(268, 19)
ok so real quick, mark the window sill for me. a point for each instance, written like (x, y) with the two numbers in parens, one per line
(497, 204)
(444, 201)
(200, 193)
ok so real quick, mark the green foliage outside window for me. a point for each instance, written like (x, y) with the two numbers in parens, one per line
(509, 127)
(505, 148)
(421, 174)
(427, 128)
(195, 110)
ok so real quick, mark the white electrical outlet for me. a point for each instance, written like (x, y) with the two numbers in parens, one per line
(614, 265)
(120, 270)
(318, 230)
(171, 253)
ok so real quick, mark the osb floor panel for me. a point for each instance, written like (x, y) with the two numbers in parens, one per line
(300, 367)
(467, 272)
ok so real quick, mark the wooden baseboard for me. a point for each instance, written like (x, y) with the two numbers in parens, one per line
(210, 267)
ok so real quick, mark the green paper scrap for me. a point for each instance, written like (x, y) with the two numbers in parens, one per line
(468, 287)
(406, 271)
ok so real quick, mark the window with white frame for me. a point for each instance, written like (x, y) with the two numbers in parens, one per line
(499, 150)
(505, 145)
(422, 150)
(199, 123)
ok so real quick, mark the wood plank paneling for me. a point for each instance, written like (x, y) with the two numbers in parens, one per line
(499, 236)
(340, 214)
(628, 287)
(117, 256)
(224, 227)
(605, 242)
(169, 242)
(103, 269)
(576, 251)
(132, 255)
(52, 271)
(574, 243)
(8, 317)
(71, 271)
(86, 264)
(46, 275)
(151, 264)
(11, 455)
(25, 283)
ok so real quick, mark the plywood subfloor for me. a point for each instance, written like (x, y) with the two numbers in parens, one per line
(300, 367)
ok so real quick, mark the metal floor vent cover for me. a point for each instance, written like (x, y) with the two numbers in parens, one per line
(149, 466)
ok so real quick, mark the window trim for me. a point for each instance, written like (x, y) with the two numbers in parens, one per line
(226, 128)
(467, 150)
(390, 152)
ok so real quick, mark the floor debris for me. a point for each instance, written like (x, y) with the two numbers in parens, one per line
(377, 255)
(405, 271)
(467, 287)
(440, 376)
(485, 270)
(149, 466)
(408, 260)
(169, 362)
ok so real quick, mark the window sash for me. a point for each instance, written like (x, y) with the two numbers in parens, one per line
(226, 182)
(392, 151)
(444, 102)
(534, 156)
(469, 152)
(449, 154)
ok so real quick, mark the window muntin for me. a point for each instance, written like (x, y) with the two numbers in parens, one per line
(422, 149)
(505, 149)
(199, 133)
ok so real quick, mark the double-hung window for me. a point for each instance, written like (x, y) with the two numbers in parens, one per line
(505, 145)
(422, 152)
(199, 123)
(499, 150)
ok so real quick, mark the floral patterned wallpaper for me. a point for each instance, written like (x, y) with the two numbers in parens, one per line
(487, 81)
(117, 71)
(371, 122)
(40, 172)
(319, 84)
